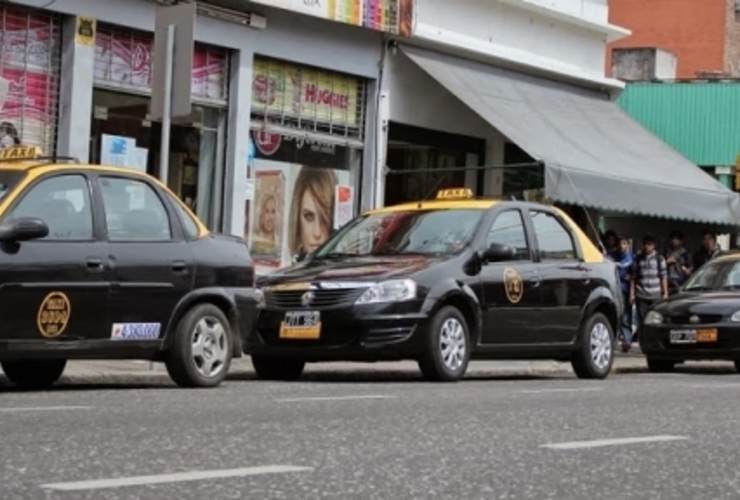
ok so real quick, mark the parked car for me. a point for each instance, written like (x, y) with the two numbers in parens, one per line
(443, 282)
(103, 262)
(700, 322)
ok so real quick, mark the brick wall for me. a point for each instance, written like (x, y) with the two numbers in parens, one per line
(692, 29)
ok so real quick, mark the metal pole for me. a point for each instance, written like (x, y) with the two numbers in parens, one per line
(164, 151)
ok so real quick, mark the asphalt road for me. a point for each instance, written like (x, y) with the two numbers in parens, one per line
(633, 436)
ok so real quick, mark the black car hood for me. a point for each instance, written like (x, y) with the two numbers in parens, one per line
(724, 302)
(369, 269)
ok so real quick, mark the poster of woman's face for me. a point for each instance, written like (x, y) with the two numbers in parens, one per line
(299, 221)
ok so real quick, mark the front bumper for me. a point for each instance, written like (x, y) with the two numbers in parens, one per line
(655, 341)
(374, 332)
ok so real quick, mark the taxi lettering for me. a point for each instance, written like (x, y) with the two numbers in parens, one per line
(53, 315)
(21, 153)
(455, 194)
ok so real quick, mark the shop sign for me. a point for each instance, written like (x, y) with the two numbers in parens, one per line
(311, 95)
(126, 58)
(391, 16)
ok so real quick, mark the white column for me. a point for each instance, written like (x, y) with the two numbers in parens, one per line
(493, 184)
(370, 153)
(75, 95)
(237, 146)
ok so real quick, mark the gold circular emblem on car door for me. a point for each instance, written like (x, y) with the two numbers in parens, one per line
(53, 315)
(513, 285)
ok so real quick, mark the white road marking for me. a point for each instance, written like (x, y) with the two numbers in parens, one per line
(574, 389)
(597, 443)
(44, 408)
(180, 477)
(331, 398)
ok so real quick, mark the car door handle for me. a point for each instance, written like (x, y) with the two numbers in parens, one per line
(95, 265)
(179, 267)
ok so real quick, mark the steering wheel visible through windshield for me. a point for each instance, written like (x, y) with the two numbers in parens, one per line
(411, 232)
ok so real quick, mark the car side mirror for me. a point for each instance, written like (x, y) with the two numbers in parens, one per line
(498, 253)
(23, 229)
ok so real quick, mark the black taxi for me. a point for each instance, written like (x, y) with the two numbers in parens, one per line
(700, 322)
(442, 282)
(104, 262)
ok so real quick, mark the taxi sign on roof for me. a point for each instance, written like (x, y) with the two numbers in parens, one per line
(21, 153)
(455, 194)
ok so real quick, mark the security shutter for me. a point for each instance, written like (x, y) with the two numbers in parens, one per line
(30, 59)
(123, 61)
(307, 100)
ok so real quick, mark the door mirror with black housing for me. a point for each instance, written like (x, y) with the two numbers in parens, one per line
(498, 253)
(23, 229)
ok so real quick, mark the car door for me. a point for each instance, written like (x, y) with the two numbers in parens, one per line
(152, 265)
(511, 290)
(564, 277)
(56, 287)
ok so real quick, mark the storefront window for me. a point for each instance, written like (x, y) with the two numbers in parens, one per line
(122, 135)
(302, 192)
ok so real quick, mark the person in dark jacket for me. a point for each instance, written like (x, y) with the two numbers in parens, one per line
(679, 262)
(709, 249)
(622, 257)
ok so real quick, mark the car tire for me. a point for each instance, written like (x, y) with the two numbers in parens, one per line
(201, 351)
(34, 374)
(657, 365)
(278, 368)
(595, 354)
(448, 331)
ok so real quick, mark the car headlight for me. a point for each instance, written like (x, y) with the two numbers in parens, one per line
(389, 291)
(653, 318)
(259, 296)
(735, 318)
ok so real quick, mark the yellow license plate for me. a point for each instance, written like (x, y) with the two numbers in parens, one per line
(302, 325)
(706, 335)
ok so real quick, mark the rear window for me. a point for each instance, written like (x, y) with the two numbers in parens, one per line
(9, 179)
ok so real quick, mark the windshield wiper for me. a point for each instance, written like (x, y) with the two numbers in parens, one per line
(698, 288)
(338, 255)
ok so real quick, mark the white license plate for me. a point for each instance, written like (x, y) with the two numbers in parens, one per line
(683, 336)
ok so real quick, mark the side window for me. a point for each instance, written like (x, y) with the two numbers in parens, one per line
(133, 211)
(554, 240)
(508, 229)
(188, 224)
(63, 203)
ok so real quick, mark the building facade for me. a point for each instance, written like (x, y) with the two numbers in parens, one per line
(704, 36)
(305, 113)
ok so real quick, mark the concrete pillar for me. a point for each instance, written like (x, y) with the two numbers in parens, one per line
(237, 146)
(75, 95)
(369, 169)
(493, 179)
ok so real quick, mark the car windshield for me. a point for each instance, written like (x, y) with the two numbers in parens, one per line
(410, 232)
(717, 275)
(9, 179)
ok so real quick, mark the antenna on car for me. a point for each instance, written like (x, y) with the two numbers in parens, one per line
(432, 191)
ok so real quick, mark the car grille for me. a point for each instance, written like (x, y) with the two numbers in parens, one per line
(703, 319)
(291, 299)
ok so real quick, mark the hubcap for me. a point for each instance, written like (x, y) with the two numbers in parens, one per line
(452, 344)
(209, 347)
(601, 346)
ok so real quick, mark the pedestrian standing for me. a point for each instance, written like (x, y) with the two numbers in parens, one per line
(709, 249)
(679, 262)
(648, 279)
(622, 257)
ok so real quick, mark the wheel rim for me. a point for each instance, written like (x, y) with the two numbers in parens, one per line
(452, 344)
(209, 348)
(601, 346)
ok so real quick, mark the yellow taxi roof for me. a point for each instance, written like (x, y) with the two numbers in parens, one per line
(479, 204)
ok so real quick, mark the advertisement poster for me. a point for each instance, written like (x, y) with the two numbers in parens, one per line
(344, 208)
(118, 151)
(123, 58)
(27, 115)
(294, 211)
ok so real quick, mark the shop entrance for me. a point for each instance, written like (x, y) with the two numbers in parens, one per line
(122, 135)
(422, 161)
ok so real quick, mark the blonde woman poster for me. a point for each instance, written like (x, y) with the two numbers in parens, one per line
(268, 209)
(312, 205)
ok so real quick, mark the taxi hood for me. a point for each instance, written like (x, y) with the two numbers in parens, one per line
(371, 269)
(714, 302)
